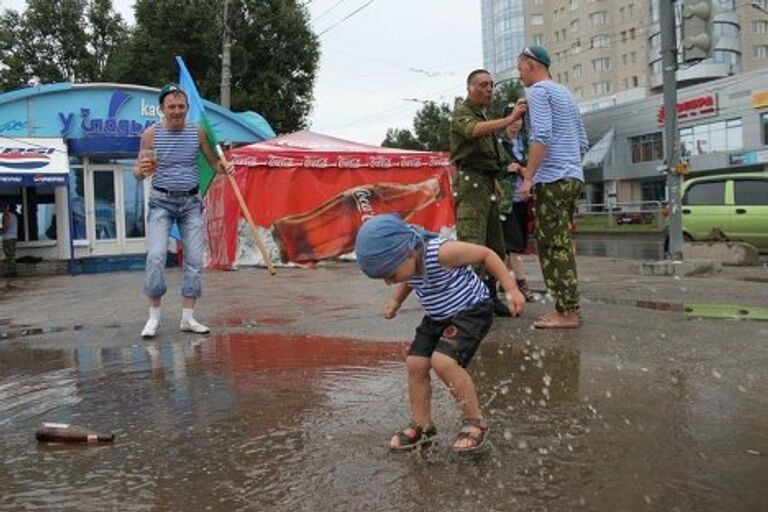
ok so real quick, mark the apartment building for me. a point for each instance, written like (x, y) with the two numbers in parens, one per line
(607, 51)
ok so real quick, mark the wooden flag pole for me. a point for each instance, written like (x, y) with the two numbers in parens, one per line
(248, 217)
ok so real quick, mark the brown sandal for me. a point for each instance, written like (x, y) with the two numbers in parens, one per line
(475, 430)
(420, 437)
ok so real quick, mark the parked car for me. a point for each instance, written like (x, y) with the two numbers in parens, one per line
(623, 217)
(735, 203)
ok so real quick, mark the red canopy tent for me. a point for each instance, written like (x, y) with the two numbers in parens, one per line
(312, 192)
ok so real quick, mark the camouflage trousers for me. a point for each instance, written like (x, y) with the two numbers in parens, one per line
(554, 207)
(478, 219)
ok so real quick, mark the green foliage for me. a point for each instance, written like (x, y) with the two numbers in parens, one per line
(506, 93)
(274, 52)
(15, 68)
(432, 126)
(55, 41)
(432, 123)
(402, 139)
(275, 58)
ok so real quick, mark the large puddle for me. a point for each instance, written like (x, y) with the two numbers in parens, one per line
(290, 423)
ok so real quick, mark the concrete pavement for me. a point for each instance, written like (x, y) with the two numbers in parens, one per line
(642, 408)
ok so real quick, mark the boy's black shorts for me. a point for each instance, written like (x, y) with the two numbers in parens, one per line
(457, 337)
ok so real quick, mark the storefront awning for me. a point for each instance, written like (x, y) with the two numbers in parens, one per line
(595, 157)
(26, 162)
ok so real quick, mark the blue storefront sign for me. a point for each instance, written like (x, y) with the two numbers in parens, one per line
(107, 119)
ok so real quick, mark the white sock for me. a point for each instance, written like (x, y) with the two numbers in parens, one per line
(154, 313)
(186, 314)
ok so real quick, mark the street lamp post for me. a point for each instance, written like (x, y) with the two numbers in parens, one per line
(226, 57)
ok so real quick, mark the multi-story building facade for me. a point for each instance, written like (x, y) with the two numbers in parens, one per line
(607, 52)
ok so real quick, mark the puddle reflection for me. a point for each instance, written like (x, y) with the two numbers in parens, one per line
(276, 422)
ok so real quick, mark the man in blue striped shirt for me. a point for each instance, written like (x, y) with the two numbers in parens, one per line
(168, 156)
(554, 176)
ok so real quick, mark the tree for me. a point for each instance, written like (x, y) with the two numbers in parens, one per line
(274, 53)
(65, 40)
(432, 126)
(505, 94)
(403, 139)
(14, 69)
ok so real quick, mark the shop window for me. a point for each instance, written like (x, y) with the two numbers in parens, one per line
(77, 202)
(734, 135)
(104, 199)
(715, 137)
(764, 126)
(133, 193)
(35, 209)
(646, 148)
(653, 190)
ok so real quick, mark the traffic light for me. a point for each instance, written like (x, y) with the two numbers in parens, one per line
(698, 37)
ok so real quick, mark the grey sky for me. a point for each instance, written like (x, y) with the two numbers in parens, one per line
(377, 64)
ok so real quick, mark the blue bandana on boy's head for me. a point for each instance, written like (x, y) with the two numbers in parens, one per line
(384, 242)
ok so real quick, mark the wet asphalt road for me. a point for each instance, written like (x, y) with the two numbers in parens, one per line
(288, 405)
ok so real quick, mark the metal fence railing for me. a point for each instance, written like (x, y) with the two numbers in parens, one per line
(648, 216)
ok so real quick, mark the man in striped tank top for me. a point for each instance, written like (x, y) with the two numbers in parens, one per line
(168, 156)
(459, 313)
(554, 175)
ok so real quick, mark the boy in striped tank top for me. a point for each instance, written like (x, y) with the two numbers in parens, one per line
(174, 197)
(459, 313)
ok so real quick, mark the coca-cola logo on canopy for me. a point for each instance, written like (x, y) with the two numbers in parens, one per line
(436, 161)
(380, 162)
(413, 161)
(281, 161)
(350, 162)
(316, 163)
(248, 161)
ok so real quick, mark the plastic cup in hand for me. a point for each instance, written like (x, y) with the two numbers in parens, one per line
(151, 156)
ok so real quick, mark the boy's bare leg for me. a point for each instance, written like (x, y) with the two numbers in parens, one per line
(462, 388)
(419, 394)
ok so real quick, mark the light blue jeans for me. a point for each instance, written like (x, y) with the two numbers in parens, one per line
(187, 211)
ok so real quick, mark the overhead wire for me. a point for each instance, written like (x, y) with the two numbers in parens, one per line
(328, 10)
(345, 18)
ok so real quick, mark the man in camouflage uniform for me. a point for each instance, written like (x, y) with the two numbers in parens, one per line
(557, 144)
(479, 159)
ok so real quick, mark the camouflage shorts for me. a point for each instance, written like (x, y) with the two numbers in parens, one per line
(554, 206)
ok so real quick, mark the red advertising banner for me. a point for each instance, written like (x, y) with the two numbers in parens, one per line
(313, 202)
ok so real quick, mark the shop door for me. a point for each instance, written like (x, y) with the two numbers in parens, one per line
(116, 222)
